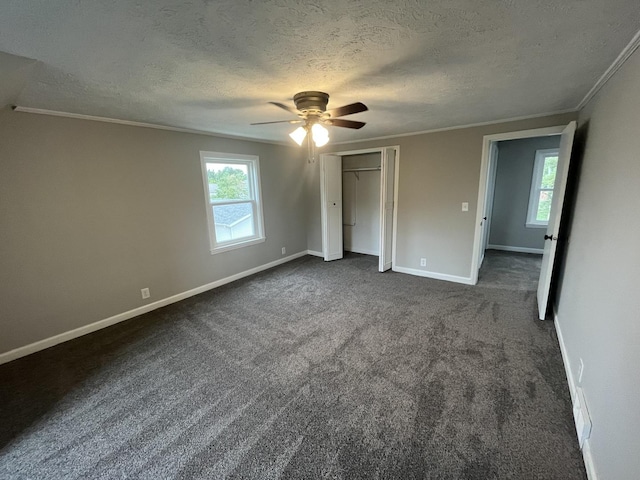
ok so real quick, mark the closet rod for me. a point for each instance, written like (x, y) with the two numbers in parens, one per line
(363, 169)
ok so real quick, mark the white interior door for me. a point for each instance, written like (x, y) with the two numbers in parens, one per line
(387, 178)
(555, 215)
(331, 202)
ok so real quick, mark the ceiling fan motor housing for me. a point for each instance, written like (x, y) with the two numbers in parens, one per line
(311, 102)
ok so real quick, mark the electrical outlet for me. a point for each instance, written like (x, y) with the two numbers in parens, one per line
(284, 250)
(423, 262)
(145, 293)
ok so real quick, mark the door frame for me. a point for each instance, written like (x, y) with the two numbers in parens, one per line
(396, 175)
(484, 184)
(386, 163)
(488, 200)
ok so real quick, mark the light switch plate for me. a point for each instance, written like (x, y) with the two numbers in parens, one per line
(465, 206)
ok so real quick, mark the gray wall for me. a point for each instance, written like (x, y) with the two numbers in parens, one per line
(514, 170)
(599, 306)
(361, 198)
(438, 171)
(92, 212)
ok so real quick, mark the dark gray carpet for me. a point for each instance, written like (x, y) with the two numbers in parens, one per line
(309, 370)
(510, 270)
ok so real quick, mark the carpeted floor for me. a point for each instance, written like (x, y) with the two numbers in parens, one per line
(309, 370)
(510, 270)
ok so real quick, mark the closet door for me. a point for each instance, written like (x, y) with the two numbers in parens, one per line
(331, 202)
(387, 177)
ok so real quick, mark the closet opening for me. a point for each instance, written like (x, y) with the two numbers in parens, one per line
(361, 203)
(358, 201)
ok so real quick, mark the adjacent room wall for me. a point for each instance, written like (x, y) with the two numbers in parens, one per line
(598, 307)
(438, 171)
(361, 204)
(514, 171)
(92, 212)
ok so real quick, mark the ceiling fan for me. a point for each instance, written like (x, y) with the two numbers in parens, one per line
(311, 109)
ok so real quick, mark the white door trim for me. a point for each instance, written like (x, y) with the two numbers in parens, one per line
(483, 183)
(396, 174)
(488, 199)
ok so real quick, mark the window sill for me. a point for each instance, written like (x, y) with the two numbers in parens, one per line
(536, 225)
(234, 246)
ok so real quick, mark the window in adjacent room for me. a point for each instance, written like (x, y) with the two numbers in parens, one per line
(544, 177)
(234, 204)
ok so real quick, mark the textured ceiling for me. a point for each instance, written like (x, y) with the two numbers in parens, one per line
(214, 65)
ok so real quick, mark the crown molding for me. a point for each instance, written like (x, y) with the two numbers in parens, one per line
(459, 127)
(130, 123)
(80, 116)
(613, 68)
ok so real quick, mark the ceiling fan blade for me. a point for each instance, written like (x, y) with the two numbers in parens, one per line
(277, 121)
(338, 122)
(348, 110)
(286, 107)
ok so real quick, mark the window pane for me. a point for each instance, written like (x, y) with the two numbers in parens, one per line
(544, 206)
(233, 222)
(549, 172)
(228, 182)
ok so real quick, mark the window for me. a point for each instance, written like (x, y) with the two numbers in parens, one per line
(234, 204)
(544, 177)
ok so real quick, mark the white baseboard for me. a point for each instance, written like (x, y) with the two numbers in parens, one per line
(588, 461)
(508, 248)
(315, 254)
(100, 324)
(435, 275)
(586, 449)
(565, 357)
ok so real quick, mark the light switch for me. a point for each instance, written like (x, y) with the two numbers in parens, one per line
(465, 206)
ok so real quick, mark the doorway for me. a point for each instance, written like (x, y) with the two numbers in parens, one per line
(519, 193)
(548, 230)
(513, 246)
(358, 191)
(361, 203)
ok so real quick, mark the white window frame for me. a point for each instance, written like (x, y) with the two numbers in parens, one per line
(536, 180)
(255, 198)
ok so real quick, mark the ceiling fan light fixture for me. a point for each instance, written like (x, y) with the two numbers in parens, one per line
(298, 135)
(311, 111)
(320, 135)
